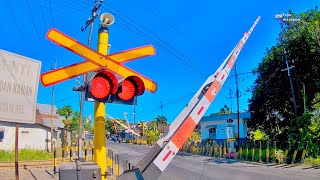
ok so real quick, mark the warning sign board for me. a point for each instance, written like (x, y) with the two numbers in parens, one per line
(19, 77)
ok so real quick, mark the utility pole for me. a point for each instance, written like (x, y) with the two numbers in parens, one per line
(134, 117)
(290, 78)
(280, 17)
(238, 108)
(90, 21)
(161, 108)
(52, 111)
(304, 98)
(230, 97)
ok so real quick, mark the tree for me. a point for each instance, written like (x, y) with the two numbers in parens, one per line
(271, 103)
(161, 121)
(152, 132)
(224, 110)
(65, 112)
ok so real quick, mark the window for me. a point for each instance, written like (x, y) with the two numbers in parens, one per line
(212, 133)
(1, 135)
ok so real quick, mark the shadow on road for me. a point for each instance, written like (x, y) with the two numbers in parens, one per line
(221, 161)
(31, 173)
(182, 154)
(290, 166)
(312, 167)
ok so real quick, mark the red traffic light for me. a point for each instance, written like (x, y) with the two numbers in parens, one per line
(131, 86)
(102, 85)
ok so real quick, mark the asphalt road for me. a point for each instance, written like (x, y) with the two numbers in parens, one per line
(185, 166)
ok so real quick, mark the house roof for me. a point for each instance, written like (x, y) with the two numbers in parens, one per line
(56, 123)
(46, 108)
(43, 116)
(243, 115)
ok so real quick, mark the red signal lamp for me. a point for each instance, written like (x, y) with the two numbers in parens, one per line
(131, 86)
(102, 85)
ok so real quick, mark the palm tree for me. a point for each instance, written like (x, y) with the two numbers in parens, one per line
(161, 120)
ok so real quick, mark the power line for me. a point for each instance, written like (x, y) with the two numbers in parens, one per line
(28, 7)
(51, 13)
(14, 19)
(185, 59)
(165, 46)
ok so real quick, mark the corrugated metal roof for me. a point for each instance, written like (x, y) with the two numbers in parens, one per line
(56, 123)
(244, 115)
(46, 108)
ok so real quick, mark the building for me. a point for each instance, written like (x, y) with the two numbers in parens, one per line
(34, 136)
(224, 127)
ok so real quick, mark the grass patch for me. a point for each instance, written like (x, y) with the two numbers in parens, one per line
(26, 155)
(312, 161)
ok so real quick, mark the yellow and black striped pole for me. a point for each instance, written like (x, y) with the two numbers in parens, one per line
(67, 149)
(92, 154)
(304, 152)
(267, 153)
(295, 152)
(274, 151)
(260, 152)
(247, 151)
(110, 162)
(286, 152)
(224, 149)
(240, 152)
(235, 153)
(85, 153)
(229, 150)
(71, 155)
(63, 155)
(252, 151)
(220, 150)
(117, 165)
(54, 160)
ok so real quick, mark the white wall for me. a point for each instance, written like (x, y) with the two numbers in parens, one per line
(30, 136)
(222, 128)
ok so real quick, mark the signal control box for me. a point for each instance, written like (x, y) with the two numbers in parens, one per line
(79, 171)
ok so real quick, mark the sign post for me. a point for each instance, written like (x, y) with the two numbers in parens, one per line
(16, 152)
(19, 77)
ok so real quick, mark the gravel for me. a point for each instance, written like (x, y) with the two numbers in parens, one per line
(43, 173)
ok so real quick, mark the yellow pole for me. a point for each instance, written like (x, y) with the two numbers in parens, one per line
(100, 153)
(142, 129)
(117, 165)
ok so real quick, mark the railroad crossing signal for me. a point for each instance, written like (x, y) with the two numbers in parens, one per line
(104, 86)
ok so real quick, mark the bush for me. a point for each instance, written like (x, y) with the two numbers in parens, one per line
(312, 161)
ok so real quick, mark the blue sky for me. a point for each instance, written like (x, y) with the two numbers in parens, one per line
(192, 38)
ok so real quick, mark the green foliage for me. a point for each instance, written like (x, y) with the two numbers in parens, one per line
(271, 103)
(224, 110)
(195, 136)
(152, 132)
(26, 155)
(312, 161)
(257, 135)
(110, 126)
(66, 112)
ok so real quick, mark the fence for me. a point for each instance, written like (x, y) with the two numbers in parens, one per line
(69, 154)
(262, 152)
